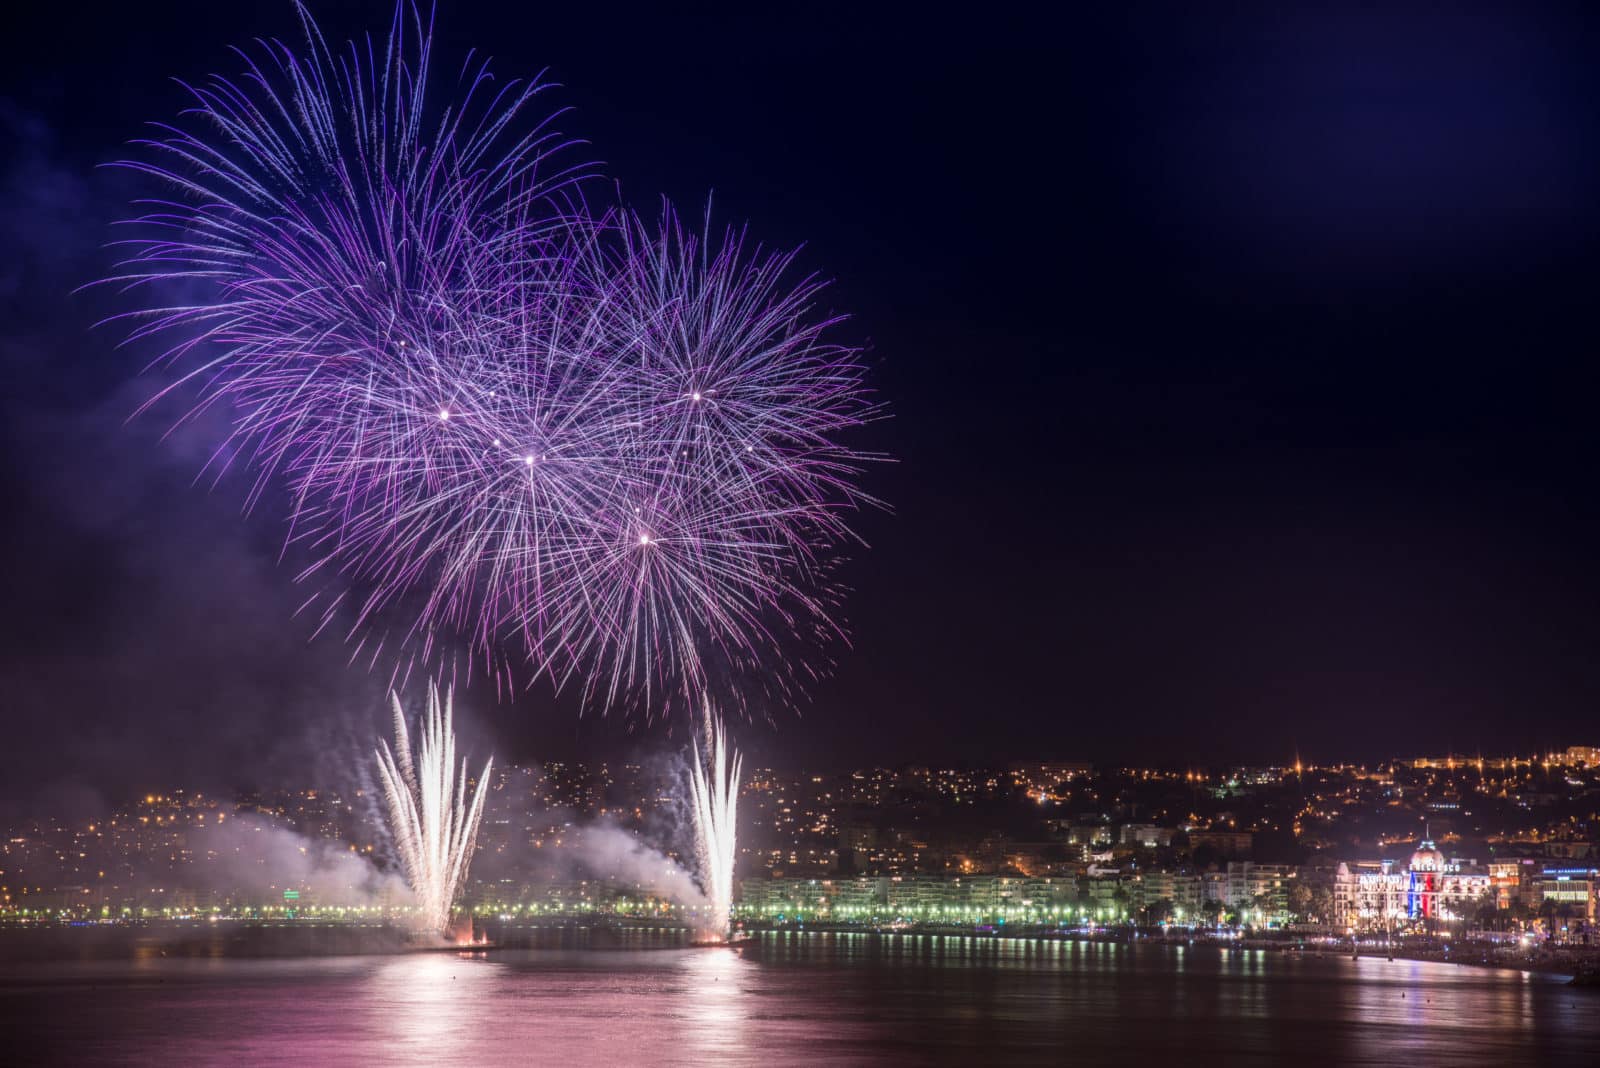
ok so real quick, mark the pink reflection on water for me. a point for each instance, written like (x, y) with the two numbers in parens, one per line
(425, 1002)
(811, 999)
(717, 1009)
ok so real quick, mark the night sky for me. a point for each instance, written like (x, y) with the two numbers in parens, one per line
(1241, 371)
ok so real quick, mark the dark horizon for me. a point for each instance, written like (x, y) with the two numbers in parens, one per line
(1239, 404)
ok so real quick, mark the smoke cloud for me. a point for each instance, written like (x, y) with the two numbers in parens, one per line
(606, 851)
(252, 860)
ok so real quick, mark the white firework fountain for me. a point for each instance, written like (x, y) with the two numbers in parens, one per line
(714, 791)
(433, 821)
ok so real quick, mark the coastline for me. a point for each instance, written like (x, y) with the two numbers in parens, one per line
(245, 938)
(1579, 963)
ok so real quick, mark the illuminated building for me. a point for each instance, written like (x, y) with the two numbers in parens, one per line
(1147, 835)
(1261, 888)
(1508, 877)
(1575, 890)
(1376, 894)
(1586, 755)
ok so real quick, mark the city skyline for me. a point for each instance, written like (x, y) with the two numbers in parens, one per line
(1430, 838)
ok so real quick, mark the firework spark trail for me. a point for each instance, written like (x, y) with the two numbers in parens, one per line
(431, 817)
(714, 792)
(731, 504)
(581, 446)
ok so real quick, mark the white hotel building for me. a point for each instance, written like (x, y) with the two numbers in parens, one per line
(1373, 894)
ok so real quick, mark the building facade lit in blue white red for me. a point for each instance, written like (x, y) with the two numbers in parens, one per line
(1430, 888)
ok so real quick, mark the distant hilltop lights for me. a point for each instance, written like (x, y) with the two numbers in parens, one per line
(1572, 756)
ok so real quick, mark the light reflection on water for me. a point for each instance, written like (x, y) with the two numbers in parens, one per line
(716, 994)
(424, 1003)
(791, 998)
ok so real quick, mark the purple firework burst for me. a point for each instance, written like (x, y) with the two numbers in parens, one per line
(723, 403)
(584, 448)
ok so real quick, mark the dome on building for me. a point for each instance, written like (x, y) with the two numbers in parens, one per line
(1427, 858)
